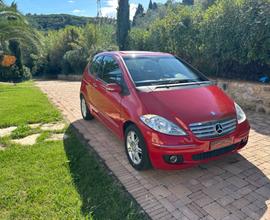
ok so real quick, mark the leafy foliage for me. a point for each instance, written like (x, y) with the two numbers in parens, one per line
(139, 13)
(188, 2)
(150, 16)
(68, 50)
(16, 36)
(229, 39)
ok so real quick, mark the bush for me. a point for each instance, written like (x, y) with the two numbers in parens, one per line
(40, 65)
(26, 73)
(14, 74)
(235, 36)
(228, 39)
(138, 38)
(74, 61)
(67, 51)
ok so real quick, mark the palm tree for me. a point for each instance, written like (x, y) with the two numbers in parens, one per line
(16, 34)
(14, 26)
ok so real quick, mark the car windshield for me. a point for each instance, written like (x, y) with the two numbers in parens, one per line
(161, 70)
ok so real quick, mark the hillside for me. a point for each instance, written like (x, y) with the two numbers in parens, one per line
(59, 21)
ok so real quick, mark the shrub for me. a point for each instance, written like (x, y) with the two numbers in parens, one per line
(74, 61)
(228, 39)
(14, 74)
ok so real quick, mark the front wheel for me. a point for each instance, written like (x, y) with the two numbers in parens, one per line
(85, 110)
(136, 149)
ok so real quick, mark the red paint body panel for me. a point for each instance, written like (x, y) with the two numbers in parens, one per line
(182, 106)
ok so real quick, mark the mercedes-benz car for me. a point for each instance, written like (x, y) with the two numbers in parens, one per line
(169, 115)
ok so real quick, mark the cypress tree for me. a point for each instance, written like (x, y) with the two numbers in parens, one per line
(150, 5)
(138, 13)
(123, 24)
(155, 6)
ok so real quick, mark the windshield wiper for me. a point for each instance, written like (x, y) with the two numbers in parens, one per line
(177, 81)
(188, 83)
(163, 82)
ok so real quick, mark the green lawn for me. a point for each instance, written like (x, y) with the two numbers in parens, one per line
(55, 179)
(24, 103)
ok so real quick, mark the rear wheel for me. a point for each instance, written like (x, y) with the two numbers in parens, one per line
(136, 149)
(85, 110)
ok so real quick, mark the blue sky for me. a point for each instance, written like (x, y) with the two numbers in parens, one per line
(75, 7)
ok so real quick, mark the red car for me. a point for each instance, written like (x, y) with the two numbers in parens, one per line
(169, 115)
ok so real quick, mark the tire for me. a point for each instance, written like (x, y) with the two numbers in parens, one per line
(85, 110)
(143, 163)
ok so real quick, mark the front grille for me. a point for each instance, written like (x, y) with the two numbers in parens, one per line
(214, 153)
(213, 129)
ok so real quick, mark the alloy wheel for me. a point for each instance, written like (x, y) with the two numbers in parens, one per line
(133, 148)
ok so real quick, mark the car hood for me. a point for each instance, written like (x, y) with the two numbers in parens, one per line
(188, 104)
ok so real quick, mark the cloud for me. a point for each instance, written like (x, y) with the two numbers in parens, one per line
(110, 9)
(71, 1)
(132, 10)
(78, 11)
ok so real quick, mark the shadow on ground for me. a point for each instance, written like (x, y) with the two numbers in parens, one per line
(101, 195)
(259, 122)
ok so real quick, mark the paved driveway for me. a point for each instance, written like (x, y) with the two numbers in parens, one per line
(234, 187)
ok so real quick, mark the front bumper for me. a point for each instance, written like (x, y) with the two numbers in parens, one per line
(190, 149)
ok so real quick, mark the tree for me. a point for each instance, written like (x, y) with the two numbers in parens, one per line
(188, 2)
(16, 36)
(123, 24)
(205, 3)
(155, 6)
(13, 25)
(138, 13)
(150, 7)
(169, 3)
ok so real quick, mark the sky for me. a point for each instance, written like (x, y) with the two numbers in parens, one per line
(76, 7)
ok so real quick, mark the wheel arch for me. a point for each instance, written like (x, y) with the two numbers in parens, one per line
(126, 125)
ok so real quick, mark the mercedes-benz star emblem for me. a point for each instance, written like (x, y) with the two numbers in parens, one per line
(219, 128)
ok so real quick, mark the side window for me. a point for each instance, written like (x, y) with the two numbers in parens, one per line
(111, 71)
(95, 67)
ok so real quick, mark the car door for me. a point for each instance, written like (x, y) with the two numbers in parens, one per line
(109, 103)
(94, 69)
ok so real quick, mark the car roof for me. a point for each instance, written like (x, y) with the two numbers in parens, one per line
(130, 53)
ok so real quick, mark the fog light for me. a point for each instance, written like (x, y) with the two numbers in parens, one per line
(173, 159)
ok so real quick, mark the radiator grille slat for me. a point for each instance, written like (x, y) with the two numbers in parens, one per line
(213, 129)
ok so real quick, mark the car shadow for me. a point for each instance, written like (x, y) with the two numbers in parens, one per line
(260, 122)
(236, 184)
(99, 190)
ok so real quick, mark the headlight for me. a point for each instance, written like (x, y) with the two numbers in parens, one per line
(241, 116)
(162, 125)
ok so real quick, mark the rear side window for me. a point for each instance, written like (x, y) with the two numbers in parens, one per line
(96, 66)
(111, 71)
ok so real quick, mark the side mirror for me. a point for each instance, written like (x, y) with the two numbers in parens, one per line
(113, 87)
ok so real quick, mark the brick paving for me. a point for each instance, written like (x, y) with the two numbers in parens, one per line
(234, 187)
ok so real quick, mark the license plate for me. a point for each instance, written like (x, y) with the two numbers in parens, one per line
(221, 143)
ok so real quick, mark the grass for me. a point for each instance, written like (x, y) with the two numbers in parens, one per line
(21, 131)
(24, 103)
(52, 179)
